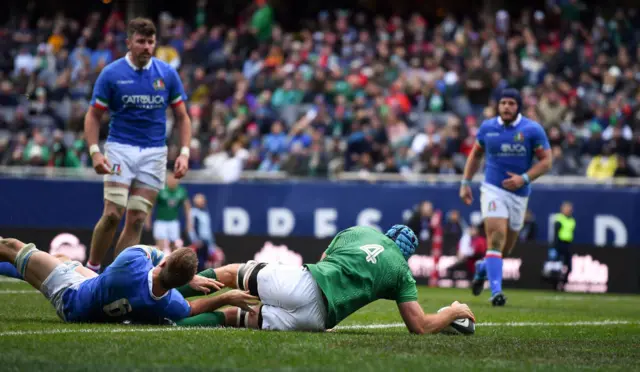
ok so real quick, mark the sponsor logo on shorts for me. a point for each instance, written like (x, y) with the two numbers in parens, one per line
(492, 206)
(116, 169)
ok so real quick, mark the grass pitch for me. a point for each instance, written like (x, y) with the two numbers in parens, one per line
(535, 331)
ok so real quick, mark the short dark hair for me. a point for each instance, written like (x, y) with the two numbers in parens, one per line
(180, 268)
(141, 26)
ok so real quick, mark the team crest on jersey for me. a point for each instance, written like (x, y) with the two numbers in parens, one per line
(158, 84)
(115, 169)
(518, 137)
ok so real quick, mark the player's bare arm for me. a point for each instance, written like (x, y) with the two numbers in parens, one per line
(470, 169)
(545, 161)
(184, 126)
(234, 297)
(91, 134)
(420, 323)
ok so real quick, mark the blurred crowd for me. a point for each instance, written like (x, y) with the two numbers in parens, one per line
(345, 92)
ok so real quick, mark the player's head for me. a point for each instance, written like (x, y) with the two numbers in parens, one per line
(178, 268)
(509, 105)
(404, 238)
(200, 201)
(566, 208)
(141, 40)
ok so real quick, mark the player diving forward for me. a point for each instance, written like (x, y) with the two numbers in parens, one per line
(136, 90)
(361, 265)
(139, 286)
(510, 142)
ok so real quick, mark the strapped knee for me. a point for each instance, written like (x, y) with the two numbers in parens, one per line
(248, 276)
(22, 258)
(116, 195)
(242, 319)
(139, 203)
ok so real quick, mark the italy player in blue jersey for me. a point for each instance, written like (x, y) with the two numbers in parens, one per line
(136, 90)
(510, 143)
(139, 286)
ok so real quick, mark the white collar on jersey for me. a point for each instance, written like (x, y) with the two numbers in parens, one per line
(134, 67)
(150, 276)
(515, 122)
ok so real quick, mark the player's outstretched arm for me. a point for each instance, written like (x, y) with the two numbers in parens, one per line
(234, 297)
(420, 323)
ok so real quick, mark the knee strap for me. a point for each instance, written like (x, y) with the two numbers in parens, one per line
(139, 203)
(22, 259)
(242, 319)
(116, 195)
(248, 276)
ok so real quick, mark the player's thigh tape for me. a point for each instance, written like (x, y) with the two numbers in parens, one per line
(139, 203)
(116, 195)
(248, 277)
(22, 258)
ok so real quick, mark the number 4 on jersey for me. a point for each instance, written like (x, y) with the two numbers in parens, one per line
(372, 251)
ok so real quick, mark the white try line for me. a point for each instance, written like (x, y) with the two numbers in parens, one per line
(507, 324)
(11, 291)
(6, 279)
(348, 327)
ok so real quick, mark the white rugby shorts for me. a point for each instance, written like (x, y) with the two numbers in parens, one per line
(129, 163)
(63, 277)
(291, 298)
(166, 230)
(498, 203)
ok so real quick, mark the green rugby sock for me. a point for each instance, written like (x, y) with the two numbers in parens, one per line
(214, 319)
(187, 291)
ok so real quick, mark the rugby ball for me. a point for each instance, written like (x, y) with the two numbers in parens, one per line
(459, 326)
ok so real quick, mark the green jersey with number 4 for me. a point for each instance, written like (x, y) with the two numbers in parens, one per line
(362, 265)
(169, 202)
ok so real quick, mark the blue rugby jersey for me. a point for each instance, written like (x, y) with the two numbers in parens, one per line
(123, 292)
(137, 99)
(510, 148)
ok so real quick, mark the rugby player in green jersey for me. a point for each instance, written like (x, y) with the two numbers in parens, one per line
(360, 266)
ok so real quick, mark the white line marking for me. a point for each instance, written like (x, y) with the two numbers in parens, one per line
(10, 291)
(347, 327)
(508, 324)
(588, 298)
(6, 279)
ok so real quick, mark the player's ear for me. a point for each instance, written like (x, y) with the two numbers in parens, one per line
(163, 263)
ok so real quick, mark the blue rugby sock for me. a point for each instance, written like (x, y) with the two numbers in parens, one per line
(481, 270)
(493, 262)
(7, 269)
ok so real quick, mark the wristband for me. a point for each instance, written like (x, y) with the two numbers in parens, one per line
(526, 179)
(93, 149)
(185, 151)
(465, 183)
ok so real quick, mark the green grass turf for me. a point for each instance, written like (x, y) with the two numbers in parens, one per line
(27, 321)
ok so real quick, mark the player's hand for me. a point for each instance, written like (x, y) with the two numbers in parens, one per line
(100, 164)
(466, 195)
(514, 182)
(181, 167)
(462, 311)
(241, 299)
(205, 285)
